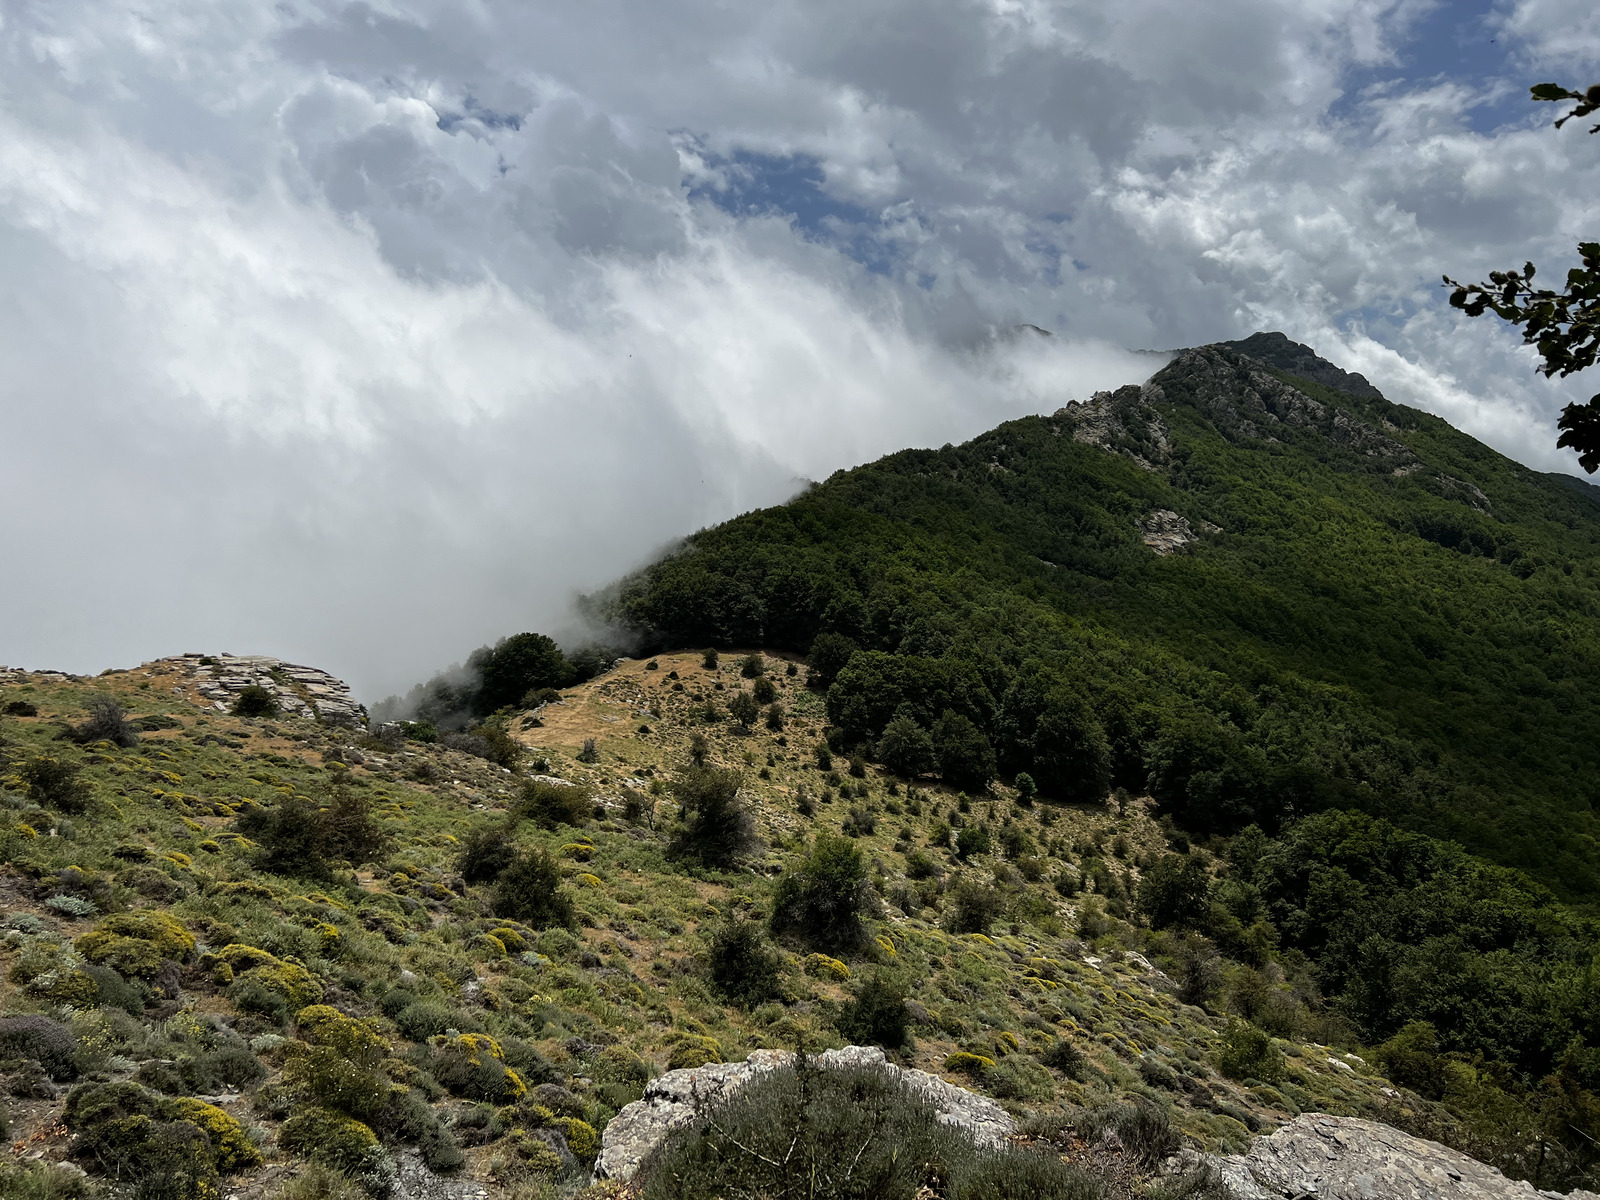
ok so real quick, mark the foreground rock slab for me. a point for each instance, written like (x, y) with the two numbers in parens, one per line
(671, 1101)
(1343, 1158)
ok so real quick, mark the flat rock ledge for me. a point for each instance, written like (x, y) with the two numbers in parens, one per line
(1343, 1158)
(671, 1101)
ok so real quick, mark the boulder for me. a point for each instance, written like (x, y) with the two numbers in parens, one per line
(672, 1100)
(1344, 1158)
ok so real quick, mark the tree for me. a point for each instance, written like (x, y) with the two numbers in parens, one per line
(1174, 890)
(829, 653)
(1565, 325)
(823, 897)
(714, 825)
(966, 760)
(530, 890)
(516, 666)
(744, 709)
(906, 748)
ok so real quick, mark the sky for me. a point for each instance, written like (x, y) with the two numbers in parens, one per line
(363, 334)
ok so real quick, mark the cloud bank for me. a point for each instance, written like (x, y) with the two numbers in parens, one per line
(361, 334)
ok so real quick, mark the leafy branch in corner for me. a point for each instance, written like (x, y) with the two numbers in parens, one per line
(1564, 325)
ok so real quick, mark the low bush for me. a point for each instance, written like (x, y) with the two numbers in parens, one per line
(855, 1134)
(55, 783)
(972, 907)
(41, 1040)
(553, 804)
(137, 943)
(876, 1015)
(107, 722)
(256, 701)
(300, 838)
(1144, 1128)
(744, 968)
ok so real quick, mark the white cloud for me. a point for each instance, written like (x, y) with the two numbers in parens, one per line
(364, 333)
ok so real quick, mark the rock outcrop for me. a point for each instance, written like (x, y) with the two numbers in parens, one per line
(299, 691)
(672, 1100)
(1344, 1158)
(1166, 532)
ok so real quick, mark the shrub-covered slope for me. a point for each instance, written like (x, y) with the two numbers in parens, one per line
(1364, 608)
(238, 946)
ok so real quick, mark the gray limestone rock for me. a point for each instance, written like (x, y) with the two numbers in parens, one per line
(671, 1101)
(1344, 1158)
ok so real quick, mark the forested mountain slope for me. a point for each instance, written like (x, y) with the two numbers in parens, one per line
(1249, 591)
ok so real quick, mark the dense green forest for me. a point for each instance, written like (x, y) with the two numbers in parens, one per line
(1376, 611)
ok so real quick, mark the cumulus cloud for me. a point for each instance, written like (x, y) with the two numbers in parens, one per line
(362, 333)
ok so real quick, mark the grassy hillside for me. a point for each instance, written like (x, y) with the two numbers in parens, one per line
(149, 948)
(1378, 612)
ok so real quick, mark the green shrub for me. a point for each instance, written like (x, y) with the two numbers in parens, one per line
(256, 701)
(714, 824)
(753, 666)
(855, 1134)
(1411, 1058)
(973, 838)
(1144, 1128)
(333, 1140)
(709, 660)
(1018, 1077)
(1062, 1055)
(764, 690)
(316, 1181)
(1248, 1053)
(824, 897)
(473, 1065)
(299, 838)
(530, 891)
(694, 1050)
(107, 722)
(876, 1015)
(1174, 891)
(424, 1019)
(552, 804)
(55, 783)
(744, 967)
(972, 907)
(46, 1042)
(485, 852)
(137, 943)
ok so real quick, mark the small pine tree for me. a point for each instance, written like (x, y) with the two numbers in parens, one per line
(775, 717)
(764, 690)
(710, 660)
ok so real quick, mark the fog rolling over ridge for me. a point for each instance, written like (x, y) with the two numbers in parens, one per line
(361, 336)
